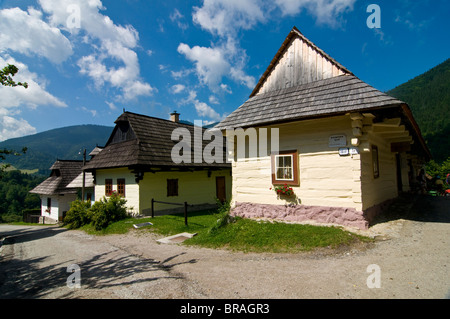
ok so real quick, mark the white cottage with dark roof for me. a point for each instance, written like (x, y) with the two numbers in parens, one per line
(61, 188)
(345, 148)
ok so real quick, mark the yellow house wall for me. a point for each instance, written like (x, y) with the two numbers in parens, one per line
(195, 188)
(131, 187)
(378, 190)
(326, 179)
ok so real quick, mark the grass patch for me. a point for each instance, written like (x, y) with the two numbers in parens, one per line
(253, 236)
(241, 235)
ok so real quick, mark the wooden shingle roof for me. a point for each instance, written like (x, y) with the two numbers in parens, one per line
(63, 173)
(143, 141)
(333, 96)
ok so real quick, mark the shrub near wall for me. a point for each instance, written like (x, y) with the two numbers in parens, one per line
(100, 215)
(107, 211)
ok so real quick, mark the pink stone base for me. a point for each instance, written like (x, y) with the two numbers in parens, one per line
(301, 213)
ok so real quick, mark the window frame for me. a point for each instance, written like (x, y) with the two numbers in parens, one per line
(172, 187)
(108, 186)
(121, 182)
(295, 181)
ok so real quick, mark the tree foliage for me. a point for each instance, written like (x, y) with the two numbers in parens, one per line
(15, 196)
(6, 75)
(428, 95)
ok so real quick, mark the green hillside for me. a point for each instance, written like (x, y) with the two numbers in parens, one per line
(428, 95)
(63, 143)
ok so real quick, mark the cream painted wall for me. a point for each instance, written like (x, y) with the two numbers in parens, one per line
(378, 190)
(326, 178)
(195, 188)
(131, 187)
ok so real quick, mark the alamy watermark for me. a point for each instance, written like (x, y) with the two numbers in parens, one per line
(243, 143)
(74, 280)
(374, 19)
(374, 279)
(73, 21)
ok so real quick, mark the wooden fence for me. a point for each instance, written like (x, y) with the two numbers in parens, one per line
(185, 204)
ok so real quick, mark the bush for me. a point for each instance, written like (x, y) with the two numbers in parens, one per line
(100, 215)
(77, 215)
(107, 211)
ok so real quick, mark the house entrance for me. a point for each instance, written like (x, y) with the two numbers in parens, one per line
(220, 188)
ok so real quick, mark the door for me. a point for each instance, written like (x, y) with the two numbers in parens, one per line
(221, 193)
(399, 173)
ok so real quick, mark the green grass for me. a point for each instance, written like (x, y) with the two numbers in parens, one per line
(242, 235)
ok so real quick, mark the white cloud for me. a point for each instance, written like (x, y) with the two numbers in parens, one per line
(177, 88)
(111, 106)
(93, 112)
(33, 96)
(114, 61)
(203, 109)
(325, 11)
(213, 100)
(26, 33)
(210, 63)
(11, 127)
(224, 17)
(178, 18)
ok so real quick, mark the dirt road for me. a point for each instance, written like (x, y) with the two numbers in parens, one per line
(411, 257)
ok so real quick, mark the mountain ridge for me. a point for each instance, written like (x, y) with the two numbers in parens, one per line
(65, 143)
(428, 96)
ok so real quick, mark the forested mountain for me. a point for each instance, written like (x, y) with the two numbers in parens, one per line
(65, 143)
(428, 95)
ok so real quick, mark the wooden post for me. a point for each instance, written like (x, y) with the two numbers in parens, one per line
(153, 210)
(185, 214)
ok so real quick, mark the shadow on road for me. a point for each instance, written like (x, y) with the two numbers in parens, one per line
(28, 279)
(29, 233)
(424, 208)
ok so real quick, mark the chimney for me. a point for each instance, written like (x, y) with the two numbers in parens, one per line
(175, 117)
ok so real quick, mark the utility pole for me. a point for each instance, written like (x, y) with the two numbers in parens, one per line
(84, 175)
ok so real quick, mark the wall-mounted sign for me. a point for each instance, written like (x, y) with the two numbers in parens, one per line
(343, 151)
(337, 141)
(354, 151)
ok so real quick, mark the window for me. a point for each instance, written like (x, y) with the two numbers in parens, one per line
(172, 187)
(375, 162)
(121, 187)
(285, 168)
(49, 204)
(108, 187)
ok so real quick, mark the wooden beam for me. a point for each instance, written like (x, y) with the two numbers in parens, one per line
(388, 129)
(407, 139)
(395, 122)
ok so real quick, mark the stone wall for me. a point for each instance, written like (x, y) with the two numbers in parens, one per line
(302, 213)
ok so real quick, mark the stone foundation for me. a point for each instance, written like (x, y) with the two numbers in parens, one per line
(301, 213)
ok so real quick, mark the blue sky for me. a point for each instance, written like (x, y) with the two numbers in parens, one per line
(87, 60)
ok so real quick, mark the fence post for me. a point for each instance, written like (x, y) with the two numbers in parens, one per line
(153, 210)
(185, 214)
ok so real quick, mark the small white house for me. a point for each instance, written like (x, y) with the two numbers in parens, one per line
(61, 188)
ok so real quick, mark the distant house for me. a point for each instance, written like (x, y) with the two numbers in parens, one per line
(137, 163)
(61, 188)
(345, 148)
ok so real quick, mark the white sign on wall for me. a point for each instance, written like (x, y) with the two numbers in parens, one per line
(337, 141)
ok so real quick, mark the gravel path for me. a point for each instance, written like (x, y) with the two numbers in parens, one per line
(412, 253)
